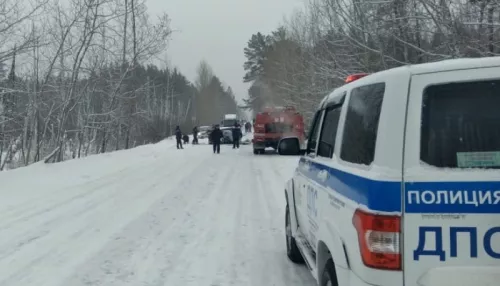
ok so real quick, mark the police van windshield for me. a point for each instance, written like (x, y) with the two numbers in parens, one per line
(461, 125)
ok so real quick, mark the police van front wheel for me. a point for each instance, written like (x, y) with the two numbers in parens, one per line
(329, 278)
(292, 251)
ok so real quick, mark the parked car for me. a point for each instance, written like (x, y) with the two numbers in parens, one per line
(203, 131)
(227, 133)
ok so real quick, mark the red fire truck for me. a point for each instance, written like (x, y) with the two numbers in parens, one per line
(274, 123)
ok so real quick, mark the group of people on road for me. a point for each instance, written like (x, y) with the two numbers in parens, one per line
(215, 136)
(179, 137)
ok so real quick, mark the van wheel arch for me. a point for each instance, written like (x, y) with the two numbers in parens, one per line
(323, 255)
(329, 274)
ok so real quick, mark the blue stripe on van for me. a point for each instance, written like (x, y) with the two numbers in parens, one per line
(421, 197)
(453, 197)
(376, 195)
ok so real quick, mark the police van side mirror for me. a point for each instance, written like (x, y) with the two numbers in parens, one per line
(289, 146)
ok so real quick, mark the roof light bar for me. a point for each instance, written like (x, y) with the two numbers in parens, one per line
(354, 77)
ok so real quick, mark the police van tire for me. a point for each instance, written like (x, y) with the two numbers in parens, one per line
(292, 251)
(255, 151)
(329, 277)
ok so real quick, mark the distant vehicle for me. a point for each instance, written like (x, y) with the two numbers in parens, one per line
(229, 120)
(227, 135)
(204, 128)
(203, 131)
(275, 123)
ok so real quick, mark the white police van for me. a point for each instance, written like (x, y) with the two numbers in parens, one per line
(400, 183)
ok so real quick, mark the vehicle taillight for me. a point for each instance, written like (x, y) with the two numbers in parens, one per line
(378, 237)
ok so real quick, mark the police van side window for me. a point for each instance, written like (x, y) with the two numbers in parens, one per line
(313, 133)
(361, 124)
(329, 131)
(461, 125)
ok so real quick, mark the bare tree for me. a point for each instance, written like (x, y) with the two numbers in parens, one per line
(84, 88)
(204, 74)
(13, 18)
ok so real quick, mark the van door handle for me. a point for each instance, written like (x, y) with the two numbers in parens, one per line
(323, 175)
(306, 166)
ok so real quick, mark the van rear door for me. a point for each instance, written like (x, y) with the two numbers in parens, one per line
(451, 219)
(260, 125)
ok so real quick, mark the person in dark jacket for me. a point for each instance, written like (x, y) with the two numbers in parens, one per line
(195, 135)
(178, 137)
(236, 135)
(216, 136)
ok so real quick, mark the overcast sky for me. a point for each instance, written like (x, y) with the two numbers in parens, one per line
(217, 31)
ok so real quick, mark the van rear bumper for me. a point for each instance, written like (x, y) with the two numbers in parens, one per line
(456, 276)
(461, 276)
(262, 143)
(348, 278)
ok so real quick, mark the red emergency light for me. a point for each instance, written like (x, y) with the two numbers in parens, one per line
(354, 77)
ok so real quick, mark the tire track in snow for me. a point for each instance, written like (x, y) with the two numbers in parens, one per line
(148, 251)
(211, 260)
(246, 246)
(208, 233)
(269, 185)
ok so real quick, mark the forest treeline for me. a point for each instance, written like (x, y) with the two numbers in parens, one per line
(86, 77)
(321, 44)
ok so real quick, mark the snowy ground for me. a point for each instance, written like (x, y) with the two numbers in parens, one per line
(153, 215)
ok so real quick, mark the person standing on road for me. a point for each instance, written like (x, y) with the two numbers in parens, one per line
(178, 137)
(248, 127)
(216, 137)
(195, 135)
(236, 135)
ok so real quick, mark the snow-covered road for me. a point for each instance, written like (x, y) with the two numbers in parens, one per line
(153, 215)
